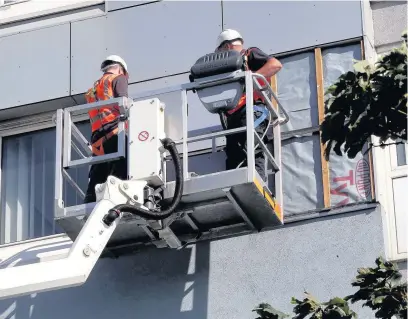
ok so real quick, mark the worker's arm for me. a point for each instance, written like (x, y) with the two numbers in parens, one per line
(120, 86)
(260, 62)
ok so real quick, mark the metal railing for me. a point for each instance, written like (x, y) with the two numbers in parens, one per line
(69, 135)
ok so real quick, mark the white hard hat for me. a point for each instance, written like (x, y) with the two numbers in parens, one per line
(228, 35)
(114, 58)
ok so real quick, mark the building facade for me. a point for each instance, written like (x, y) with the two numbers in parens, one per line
(339, 215)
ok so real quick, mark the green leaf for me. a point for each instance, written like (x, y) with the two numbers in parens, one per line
(370, 100)
(362, 66)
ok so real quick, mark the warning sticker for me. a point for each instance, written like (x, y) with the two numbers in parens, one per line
(143, 136)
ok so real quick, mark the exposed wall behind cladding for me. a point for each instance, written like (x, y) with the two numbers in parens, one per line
(223, 279)
(302, 175)
(316, 22)
(33, 67)
(153, 38)
(297, 91)
(349, 178)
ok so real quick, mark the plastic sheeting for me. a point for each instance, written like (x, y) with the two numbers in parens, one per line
(349, 178)
(302, 175)
(301, 165)
(297, 91)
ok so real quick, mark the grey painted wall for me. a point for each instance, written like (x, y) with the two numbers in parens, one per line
(222, 279)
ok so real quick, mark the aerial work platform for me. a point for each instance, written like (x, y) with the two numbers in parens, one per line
(216, 205)
(149, 207)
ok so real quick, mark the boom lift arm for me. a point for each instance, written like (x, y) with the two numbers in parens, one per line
(115, 198)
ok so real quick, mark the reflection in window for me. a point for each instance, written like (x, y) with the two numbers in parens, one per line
(27, 185)
(401, 155)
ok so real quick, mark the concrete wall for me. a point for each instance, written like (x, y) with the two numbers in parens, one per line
(390, 20)
(222, 279)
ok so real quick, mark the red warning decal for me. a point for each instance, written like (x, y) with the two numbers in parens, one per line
(143, 136)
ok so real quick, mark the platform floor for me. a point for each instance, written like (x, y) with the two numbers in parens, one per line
(213, 206)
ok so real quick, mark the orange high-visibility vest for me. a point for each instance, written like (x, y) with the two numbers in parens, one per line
(102, 90)
(256, 95)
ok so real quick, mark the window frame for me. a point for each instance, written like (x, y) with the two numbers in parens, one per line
(29, 124)
(386, 170)
(394, 171)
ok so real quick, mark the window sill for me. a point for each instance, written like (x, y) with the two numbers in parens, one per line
(34, 250)
(34, 240)
(29, 9)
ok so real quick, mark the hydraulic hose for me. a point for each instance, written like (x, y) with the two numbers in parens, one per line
(113, 213)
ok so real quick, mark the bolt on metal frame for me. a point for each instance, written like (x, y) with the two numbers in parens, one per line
(68, 135)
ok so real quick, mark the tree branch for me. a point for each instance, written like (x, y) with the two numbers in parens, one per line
(371, 145)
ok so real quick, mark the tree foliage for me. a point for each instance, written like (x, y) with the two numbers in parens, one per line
(370, 100)
(266, 311)
(310, 308)
(379, 289)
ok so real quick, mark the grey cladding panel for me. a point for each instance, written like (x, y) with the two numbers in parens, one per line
(35, 63)
(153, 39)
(302, 175)
(316, 22)
(156, 38)
(349, 178)
(88, 49)
(297, 91)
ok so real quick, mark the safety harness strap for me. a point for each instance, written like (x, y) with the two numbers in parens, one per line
(265, 113)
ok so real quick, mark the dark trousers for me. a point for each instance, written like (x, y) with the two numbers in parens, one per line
(237, 142)
(99, 173)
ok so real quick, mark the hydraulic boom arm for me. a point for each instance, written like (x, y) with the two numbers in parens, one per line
(73, 269)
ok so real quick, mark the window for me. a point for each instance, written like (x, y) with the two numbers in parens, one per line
(391, 170)
(401, 150)
(27, 185)
(309, 181)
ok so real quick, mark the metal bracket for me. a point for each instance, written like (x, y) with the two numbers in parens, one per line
(170, 238)
(238, 208)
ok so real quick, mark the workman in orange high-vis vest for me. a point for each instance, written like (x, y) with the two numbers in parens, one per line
(104, 122)
(258, 62)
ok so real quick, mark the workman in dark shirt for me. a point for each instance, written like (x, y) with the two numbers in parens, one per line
(104, 122)
(261, 63)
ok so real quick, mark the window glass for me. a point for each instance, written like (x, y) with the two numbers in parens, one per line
(27, 185)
